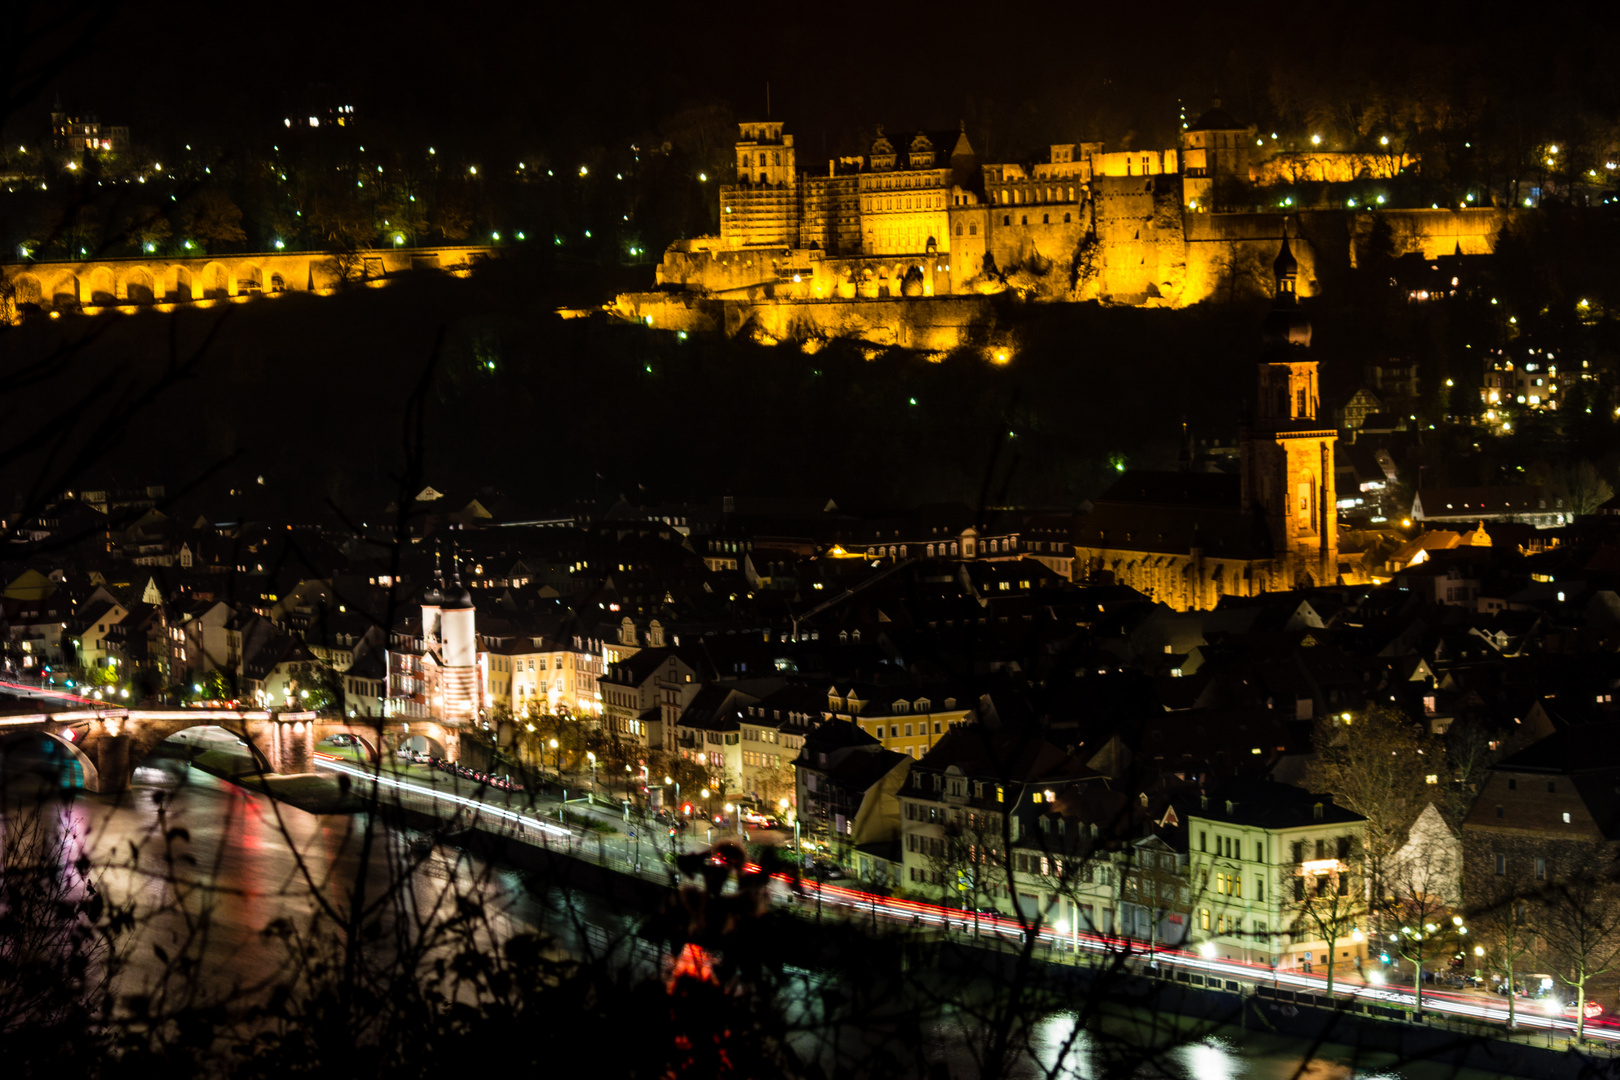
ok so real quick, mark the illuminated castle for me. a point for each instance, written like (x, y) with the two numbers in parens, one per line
(921, 215)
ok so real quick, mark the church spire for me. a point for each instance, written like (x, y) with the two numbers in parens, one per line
(1286, 271)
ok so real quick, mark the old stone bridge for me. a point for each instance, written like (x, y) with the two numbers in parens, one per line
(108, 743)
(149, 281)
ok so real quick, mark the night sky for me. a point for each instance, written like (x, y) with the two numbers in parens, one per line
(562, 78)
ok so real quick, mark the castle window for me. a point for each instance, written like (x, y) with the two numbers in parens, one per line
(958, 228)
(1024, 219)
(1006, 219)
(1046, 219)
(1065, 219)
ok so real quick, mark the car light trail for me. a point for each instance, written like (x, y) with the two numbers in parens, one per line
(1124, 949)
(47, 691)
(521, 820)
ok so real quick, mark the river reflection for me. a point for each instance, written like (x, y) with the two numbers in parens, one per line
(244, 862)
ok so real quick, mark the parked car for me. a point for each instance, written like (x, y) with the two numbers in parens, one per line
(1593, 1009)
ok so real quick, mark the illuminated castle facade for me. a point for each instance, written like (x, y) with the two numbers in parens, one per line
(1189, 538)
(920, 215)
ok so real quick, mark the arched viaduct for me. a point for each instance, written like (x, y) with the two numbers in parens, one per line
(108, 744)
(149, 281)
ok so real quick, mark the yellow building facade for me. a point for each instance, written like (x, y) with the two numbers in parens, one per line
(902, 723)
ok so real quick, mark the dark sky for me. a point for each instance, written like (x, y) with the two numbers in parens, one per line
(1019, 74)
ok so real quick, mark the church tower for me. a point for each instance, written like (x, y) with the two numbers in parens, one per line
(1287, 452)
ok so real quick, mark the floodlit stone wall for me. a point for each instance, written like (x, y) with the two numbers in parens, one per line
(131, 283)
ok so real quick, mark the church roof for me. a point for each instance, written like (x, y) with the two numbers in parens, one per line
(1285, 265)
(1217, 119)
(1175, 488)
(1172, 513)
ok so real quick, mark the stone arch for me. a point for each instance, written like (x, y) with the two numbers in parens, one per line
(74, 761)
(101, 287)
(28, 290)
(277, 283)
(249, 278)
(65, 291)
(139, 286)
(146, 735)
(177, 283)
(376, 734)
(217, 281)
(425, 743)
(912, 283)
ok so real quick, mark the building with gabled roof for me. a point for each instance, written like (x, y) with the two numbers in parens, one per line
(960, 804)
(847, 787)
(1256, 848)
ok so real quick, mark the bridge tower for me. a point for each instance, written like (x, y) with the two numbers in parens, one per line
(450, 637)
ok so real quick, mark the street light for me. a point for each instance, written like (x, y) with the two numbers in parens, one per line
(555, 746)
(590, 755)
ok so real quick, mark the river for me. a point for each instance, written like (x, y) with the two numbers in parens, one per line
(243, 862)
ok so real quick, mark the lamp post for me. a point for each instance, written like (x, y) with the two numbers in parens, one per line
(557, 749)
(675, 815)
(590, 755)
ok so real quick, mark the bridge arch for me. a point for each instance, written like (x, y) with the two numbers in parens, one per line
(368, 735)
(101, 287)
(217, 281)
(140, 285)
(74, 762)
(426, 743)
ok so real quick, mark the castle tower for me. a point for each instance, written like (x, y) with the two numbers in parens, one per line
(762, 208)
(1287, 452)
